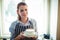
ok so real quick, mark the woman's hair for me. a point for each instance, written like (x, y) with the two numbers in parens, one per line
(19, 4)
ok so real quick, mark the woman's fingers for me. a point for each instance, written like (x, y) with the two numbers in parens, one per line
(22, 33)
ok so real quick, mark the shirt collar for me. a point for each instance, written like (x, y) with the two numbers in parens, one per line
(18, 21)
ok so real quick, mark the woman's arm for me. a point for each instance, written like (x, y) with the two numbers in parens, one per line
(35, 27)
(17, 38)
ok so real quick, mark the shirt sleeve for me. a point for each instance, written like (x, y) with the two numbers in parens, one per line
(34, 24)
(12, 27)
(12, 30)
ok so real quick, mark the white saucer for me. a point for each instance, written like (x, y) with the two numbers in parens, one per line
(30, 35)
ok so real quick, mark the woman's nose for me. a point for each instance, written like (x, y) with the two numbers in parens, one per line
(24, 12)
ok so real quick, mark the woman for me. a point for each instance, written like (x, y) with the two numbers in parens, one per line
(18, 27)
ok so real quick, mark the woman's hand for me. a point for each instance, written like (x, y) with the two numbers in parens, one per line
(20, 36)
(34, 37)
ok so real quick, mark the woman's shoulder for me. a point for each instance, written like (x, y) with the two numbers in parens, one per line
(13, 24)
(32, 20)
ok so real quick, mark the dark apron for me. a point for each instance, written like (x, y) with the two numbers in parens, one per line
(19, 29)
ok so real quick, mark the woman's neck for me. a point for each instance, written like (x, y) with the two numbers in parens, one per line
(24, 20)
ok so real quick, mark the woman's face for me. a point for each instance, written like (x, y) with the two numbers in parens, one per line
(22, 11)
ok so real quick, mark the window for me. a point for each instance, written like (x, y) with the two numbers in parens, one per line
(8, 15)
(53, 18)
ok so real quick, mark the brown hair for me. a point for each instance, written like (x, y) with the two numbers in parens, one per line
(19, 4)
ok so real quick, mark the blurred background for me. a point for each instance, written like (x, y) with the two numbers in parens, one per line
(45, 12)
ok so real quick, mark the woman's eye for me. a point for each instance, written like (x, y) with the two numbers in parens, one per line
(25, 9)
(21, 10)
